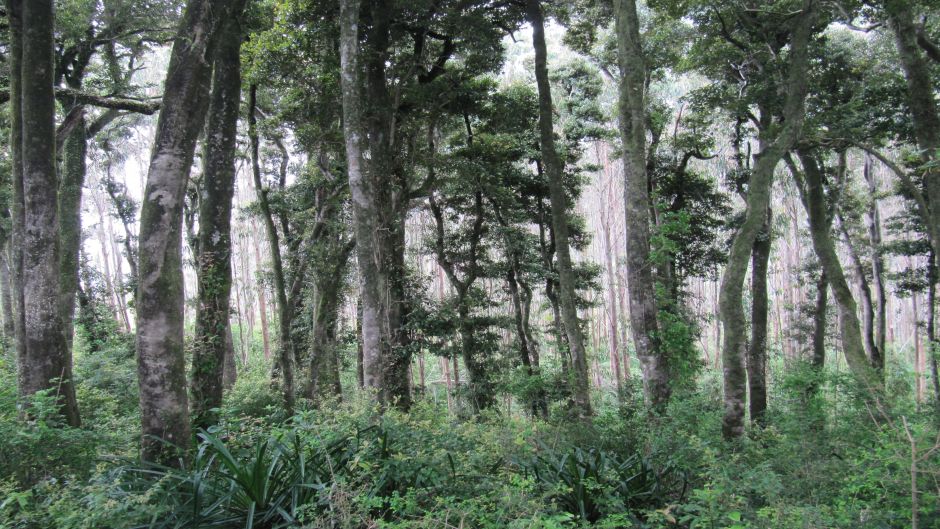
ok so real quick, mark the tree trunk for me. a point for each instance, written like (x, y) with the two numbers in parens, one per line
(377, 215)
(868, 307)
(537, 405)
(160, 356)
(933, 346)
(212, 343)
(818, 358)
(554, 169)
(643, 306)
(7, 295)
(814, 200)
(70, 223)
(262, 309)
(285, 357)
(923, 106)
(877, 262)
(46, 364)
(757, 349)
(323, 377)
(758, 200)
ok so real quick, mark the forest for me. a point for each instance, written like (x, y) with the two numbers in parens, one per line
(453, 264)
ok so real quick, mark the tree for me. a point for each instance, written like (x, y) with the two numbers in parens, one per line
(45, 361)
(773, 147)
(554, 168)
(643, 307)
(212, 341)
(164, 403)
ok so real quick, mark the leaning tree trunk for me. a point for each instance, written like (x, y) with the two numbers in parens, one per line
(868, 306)
(814, 200)
(757, 349)
(642, 294)
(47, 361)
(731, 309)
(213, 331)
(285, 358)
(164, 405)
(554, 170)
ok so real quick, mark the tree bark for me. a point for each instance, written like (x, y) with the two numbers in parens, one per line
(46, 363)
(376, 205)
(554, 170)
(642, 294)
(758, 200)
(285, 357)
(868, 306)
(923, 107)
(70, 223)
(7, 295)
(757, 349)
(814, 200)
(818, 355)
(164, 403)
(212, 342)
(877, 262)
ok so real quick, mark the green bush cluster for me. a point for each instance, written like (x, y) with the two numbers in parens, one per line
(821, 462)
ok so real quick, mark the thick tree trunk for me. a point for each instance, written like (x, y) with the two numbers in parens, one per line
(46, 364)
(643, 306)
(758, 200)
(814, 199)
(212, 343)
(923, 106)
(164, 403)
(15, 18)
(377, 206)
(757, 349)
(554, 170)
(285, 356)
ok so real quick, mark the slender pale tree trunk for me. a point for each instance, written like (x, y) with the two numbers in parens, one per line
(757, 349)
(6, 294)
(554, 170)
(262, 308)
(285, 357)
(164, 404)
(758, 200)
(877, 261)
(213, 341)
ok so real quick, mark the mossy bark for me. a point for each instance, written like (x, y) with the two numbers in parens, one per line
(642, 295)
(731, 310)
(814, 198)
(757, 348)
(554, 170)
(47, 361)
(213, 332)
(164, 404)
